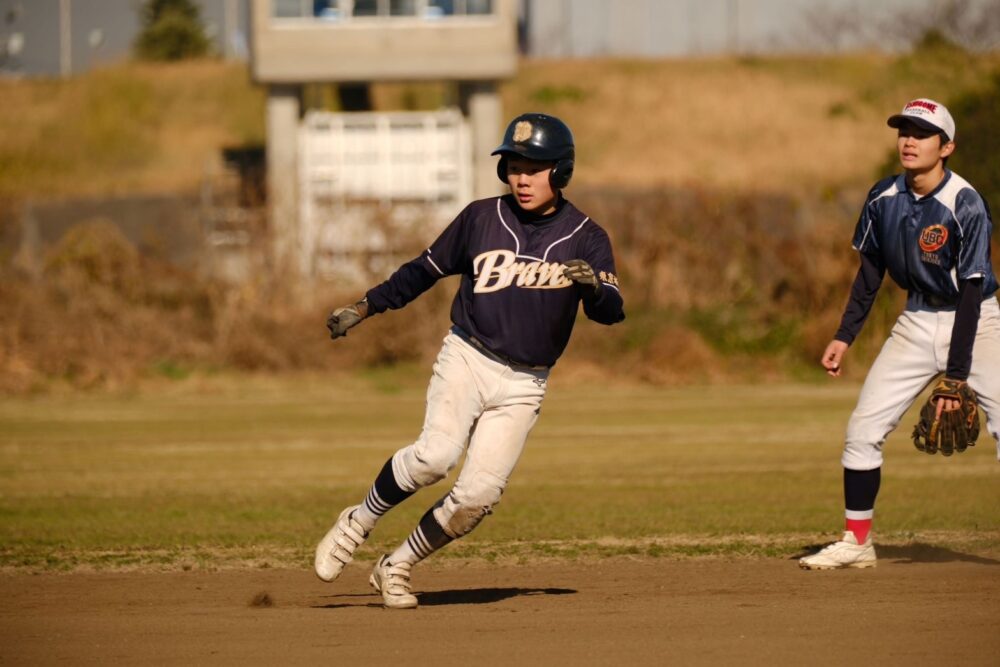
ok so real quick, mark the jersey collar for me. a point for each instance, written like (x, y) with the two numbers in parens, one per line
(932, 193)
(527, 218)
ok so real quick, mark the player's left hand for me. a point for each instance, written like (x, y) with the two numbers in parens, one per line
(344, 318)
(580, 272)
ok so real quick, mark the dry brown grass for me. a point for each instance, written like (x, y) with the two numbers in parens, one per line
(718, 287)
(772, 124)
(101, 314)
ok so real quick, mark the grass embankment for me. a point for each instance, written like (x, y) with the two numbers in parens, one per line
(224, 473)
(121, 130)
(807, 125)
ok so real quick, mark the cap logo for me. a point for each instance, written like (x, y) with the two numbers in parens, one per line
(522, 131)
(921, 104)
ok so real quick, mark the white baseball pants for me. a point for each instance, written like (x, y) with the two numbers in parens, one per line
(477, 401)
(914, 354)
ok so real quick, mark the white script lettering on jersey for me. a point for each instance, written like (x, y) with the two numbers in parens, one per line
(497, 269)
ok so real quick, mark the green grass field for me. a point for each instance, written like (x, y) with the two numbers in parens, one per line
(217, 473)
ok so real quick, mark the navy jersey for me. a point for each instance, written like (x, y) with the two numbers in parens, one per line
(513, 297)
(929, 243)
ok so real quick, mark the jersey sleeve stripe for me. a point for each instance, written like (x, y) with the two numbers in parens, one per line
(864, 238)
(611, 286)
(890, 191)
(438, 268)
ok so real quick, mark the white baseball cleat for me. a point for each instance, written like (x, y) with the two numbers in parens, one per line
(845, 553)
(337, 547)
(393, 582)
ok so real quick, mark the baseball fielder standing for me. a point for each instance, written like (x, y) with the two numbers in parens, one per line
(527, 260)
(931, 231)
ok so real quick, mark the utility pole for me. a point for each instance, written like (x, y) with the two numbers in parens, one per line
(733, 23)
(65, 38)
(694, 39)
(230, 26)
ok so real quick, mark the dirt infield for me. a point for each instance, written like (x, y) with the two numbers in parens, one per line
(920, 606)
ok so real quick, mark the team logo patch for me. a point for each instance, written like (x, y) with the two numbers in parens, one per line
(522, 131)
(933, 238)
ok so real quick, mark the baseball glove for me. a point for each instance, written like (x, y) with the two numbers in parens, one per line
(581, 273)
(344, 318)
(953, 430)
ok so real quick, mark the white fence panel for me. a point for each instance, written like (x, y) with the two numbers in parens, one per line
(396, 167)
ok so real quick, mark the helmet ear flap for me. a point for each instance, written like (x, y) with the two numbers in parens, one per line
(560, 174)
(502, 169)
(559, 177)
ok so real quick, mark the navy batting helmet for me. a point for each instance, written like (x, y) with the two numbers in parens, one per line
(538, 136)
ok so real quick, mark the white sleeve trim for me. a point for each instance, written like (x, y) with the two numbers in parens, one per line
(432, 262)
(611, 286)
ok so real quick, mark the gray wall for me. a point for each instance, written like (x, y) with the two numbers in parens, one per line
(166, 226)
(666, 28)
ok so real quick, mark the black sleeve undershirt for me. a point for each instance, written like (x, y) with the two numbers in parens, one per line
(963, 332)
(863, 293)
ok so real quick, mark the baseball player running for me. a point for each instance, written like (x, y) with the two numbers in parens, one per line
(931, 231)
(527, 260)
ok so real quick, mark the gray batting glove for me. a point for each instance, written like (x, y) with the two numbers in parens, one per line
(581, 273)
(344, 318)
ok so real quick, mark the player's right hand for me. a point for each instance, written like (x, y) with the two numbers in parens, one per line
(580, 272)
(833, 356)
(344, 318)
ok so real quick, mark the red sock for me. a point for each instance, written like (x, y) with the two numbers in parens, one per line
(860, 528)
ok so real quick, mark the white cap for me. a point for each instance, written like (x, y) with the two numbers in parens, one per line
(927, 114)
